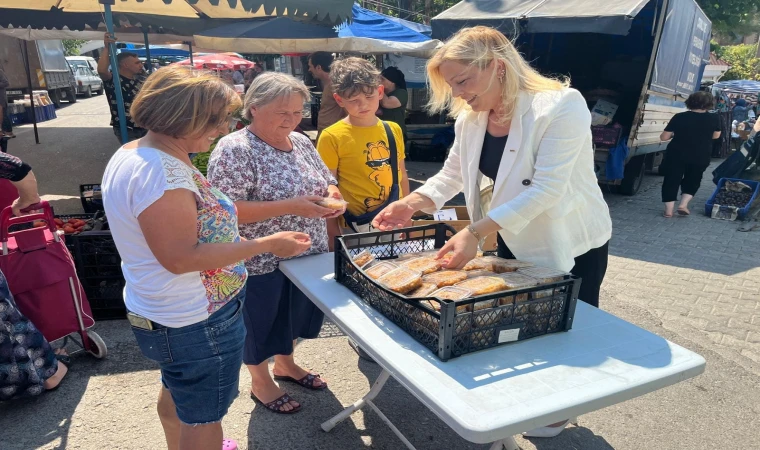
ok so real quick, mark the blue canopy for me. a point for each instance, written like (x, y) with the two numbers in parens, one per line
(739, 86)
(373, 25)
(158, 50)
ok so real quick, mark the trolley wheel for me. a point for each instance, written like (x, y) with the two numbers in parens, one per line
(98, 348)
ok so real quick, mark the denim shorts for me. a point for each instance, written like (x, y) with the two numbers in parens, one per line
(200, 363)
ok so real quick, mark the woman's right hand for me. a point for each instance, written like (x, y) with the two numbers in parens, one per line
(306, 207)
(287, 244)
(396, 215)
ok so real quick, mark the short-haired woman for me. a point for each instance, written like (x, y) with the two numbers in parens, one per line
(275, 177)
(395, 97)
(523, 140)
(182, 256)
(688, 155)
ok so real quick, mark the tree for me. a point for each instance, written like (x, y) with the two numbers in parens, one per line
(733, 16)
(71, 46)
(745, 65)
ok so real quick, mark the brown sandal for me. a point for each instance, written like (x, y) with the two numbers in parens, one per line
(278, 403)
(307, 381)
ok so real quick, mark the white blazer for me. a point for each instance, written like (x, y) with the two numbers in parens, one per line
(545, 197)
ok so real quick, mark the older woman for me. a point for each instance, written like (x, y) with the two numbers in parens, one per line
(275, 176)
(523, 156)
(182, 256)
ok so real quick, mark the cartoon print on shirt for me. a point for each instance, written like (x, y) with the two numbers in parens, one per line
(378, 159)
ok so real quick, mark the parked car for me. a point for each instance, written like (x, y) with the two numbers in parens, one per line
(87, 81)
(89, 61)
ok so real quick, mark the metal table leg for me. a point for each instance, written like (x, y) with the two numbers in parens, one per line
(367, 400)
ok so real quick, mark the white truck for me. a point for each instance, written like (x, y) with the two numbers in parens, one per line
(48, 67)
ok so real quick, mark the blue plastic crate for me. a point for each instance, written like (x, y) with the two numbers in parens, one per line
(743, 211)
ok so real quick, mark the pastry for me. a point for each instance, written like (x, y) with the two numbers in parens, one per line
(379, 269)
(483, 285)
(445, 277)
(363, 258)
(516, 280)
(480, 273)
(452, 293)
(401, 280)
(332, 203)
(495, 264)
(543, 275)
(424, 290)
(424, 265)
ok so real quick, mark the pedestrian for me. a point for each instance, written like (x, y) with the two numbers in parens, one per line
(721, 106)
(28, 364)
(182, 255)
(237, 77)
(275, 178)
(131, 77)
(6, 130)
(251, 74)
(320, 65)
(395, 97)
(691, 135)
(740, 112)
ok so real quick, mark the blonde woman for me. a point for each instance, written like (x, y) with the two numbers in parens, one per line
(523, 141)
(182, 256)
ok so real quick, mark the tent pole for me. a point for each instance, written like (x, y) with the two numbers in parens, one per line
(147, 52)
(190, 49)
(25, 54)
(115, 71)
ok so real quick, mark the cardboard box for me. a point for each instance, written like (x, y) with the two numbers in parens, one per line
(463, 220)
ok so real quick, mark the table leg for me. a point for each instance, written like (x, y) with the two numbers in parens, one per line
(359, 404)
(505, 444)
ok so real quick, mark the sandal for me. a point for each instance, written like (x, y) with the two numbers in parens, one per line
(278, 403)
(683, 212)
(229, 444)
(307, 381)
(667, 216)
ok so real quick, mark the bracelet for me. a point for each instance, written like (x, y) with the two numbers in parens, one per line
(472, 231)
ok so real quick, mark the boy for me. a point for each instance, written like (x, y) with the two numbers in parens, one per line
(357, 149)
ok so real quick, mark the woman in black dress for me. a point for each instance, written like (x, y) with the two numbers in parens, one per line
(692, 133)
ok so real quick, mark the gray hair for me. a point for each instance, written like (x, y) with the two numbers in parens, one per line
(269, 86)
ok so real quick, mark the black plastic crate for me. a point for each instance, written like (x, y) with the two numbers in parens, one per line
(68, 238)
(92, 201)
(99, 269)
(461, 326)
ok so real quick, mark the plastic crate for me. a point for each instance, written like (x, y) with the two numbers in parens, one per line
(68, 239)
(92, 201)
(501, 318)
(99, 269)
(606, 135)
(742, 213)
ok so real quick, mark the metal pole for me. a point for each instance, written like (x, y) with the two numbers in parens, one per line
(25, 54)
(190, 49)
(115, 71)
(147, 52)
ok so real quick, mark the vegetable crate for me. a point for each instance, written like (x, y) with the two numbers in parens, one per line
(99, 269)
(92, 201)
(461, 326)
(741, 212)
(69, 239)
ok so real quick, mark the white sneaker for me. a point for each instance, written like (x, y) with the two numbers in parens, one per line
(549, 432)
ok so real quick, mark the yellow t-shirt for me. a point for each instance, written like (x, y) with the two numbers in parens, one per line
(361, 157)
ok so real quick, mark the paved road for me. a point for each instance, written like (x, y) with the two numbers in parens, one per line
(692, 280)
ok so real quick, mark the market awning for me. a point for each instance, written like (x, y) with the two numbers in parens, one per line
(739, 86)
(368, 32)
(539, 16)
(157, 50)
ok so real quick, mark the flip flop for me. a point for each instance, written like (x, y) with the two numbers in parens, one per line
(307, 381)
(277, 403)
(229, 444)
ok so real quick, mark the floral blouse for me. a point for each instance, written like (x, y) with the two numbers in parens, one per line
(248, 169)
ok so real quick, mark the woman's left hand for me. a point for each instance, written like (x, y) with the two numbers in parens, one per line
(464, 247)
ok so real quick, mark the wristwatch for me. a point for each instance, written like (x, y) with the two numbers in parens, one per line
(472, 231)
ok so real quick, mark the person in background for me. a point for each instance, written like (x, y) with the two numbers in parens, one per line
(275, 176)
(691, 135)
(182, 255)
(28, 364)
(721, 105)
(739, 113)
(395, 97)
(7, 128)
(320, 65)
(131, 77)
(237, 77)
(251, 75)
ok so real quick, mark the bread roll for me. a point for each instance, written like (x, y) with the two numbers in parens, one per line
(377, 270)
(483, 285)
(332, 203)
(424, 290)
(424, 265)
(445, 277)
(401, 280)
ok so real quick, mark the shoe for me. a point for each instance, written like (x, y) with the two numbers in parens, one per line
(229, 444)
(277, 403)
(548, 432)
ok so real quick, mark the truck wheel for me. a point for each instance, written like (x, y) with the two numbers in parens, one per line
(55, 97)
(71, 93)
(633, 176)
(88, 92)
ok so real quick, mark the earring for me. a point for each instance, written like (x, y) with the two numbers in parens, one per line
(501, 77)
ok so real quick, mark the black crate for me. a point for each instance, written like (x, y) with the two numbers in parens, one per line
(68, 239)
(482, 322)
(92, 201)
(99, 269)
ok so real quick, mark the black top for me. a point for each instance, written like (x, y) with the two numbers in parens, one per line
(692, 137)
(129, 90)
(12, 168)
(490, 157)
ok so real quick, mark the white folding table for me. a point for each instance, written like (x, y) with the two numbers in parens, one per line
(491, 395)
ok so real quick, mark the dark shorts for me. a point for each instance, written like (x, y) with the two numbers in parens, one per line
(200, 363)
(276, 313)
